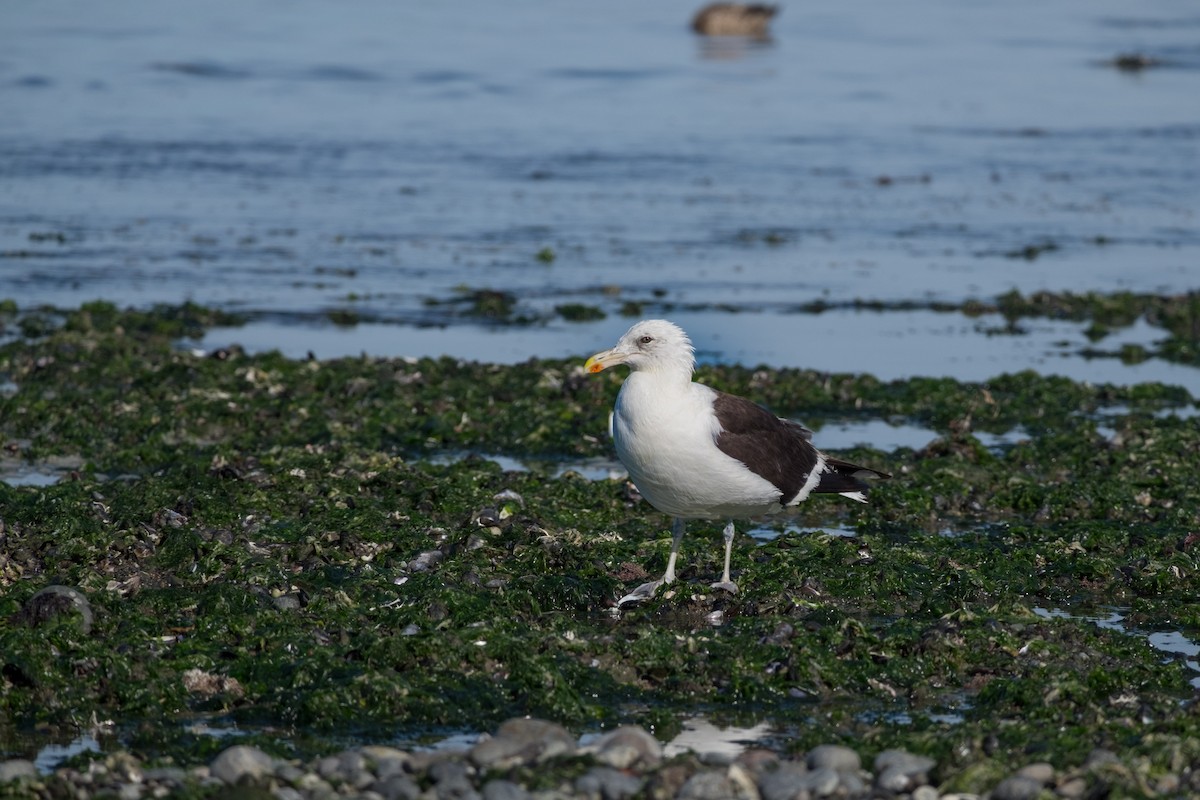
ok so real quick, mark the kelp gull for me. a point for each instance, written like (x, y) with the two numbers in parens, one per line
(697, 453)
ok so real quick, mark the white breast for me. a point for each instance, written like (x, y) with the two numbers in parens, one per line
(665, 435)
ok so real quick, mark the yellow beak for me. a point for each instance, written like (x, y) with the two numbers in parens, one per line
(604, 360)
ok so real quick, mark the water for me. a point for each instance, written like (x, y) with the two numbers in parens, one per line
(1171, 642)
(289, 161)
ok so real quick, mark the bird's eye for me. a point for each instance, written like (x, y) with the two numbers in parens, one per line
(647, 339)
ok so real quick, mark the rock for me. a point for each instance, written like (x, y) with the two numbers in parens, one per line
(1072, 788)
(349, 767)
(56, 601)
(707, 785)
(899, 771)
(627, 746)
(1039, 771)
(385, 761)
(522, 741)
(606, 783)
(920, 793)
(449, 769)
(1100, 758)
(241, 761)
(504, 790)
(743, 782)
(668, 781)
(784, 782)
(455, 790)
(1017, 787)
(15, 769)
(397, 787)
(834, 756)
(171, 776)
(822, 782)
(757, 761)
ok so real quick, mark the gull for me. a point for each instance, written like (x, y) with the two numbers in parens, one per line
(697, 453)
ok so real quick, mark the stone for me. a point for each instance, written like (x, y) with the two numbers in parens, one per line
(627, 746)
(15, 769)
(1017, 787)
(606, 783)
(397, 787)
(783, 783)
(504, 790)
(707, 785)
(455, 789)
(385, 761)
(834, 756)
(56, 601)
(743, 782)
(822, 782)
(241, 761)
(1039, 771)
(167, 775)
(922, 793)
(1072, 788)
(449, 769)
(899, 771)
(522, 741)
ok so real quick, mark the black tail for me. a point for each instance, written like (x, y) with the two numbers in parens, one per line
(842, 477)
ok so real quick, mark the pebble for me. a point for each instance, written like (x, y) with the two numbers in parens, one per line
(606, 783)
(239, 761)
(899, 771)
(627, 746)
(784, 782)
(16, 769)
(1017, 787)
(523, 741)
(625, 763)
(55, 601)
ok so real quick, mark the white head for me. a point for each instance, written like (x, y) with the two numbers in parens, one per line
(652, 345)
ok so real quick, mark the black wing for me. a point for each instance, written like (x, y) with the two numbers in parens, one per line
(777, 450)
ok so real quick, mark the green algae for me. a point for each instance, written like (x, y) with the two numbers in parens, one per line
(278, 525)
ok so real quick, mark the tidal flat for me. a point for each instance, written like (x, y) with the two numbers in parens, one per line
(281, 546)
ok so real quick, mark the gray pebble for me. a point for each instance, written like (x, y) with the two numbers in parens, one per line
(627, 746)
(1039, 771)
(455, 789)
(822, 782)
(286, 602)
(1017, 787)
(168, 775)
(289, 773)
(606, 783)
(707, 785)
(449, 769)
(287, 793)
(922, 793)
(397, 787)
(834, 756)
(1100, 757)
(900, 771)
(15, 769)
(523, 741)
(55, 601)
(1072, 788)
(240, 761)
(504, 790)
(783, 783)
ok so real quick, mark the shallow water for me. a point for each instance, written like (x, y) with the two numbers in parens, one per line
(291, 162)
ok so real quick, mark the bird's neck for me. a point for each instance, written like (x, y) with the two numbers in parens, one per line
(667, 376)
